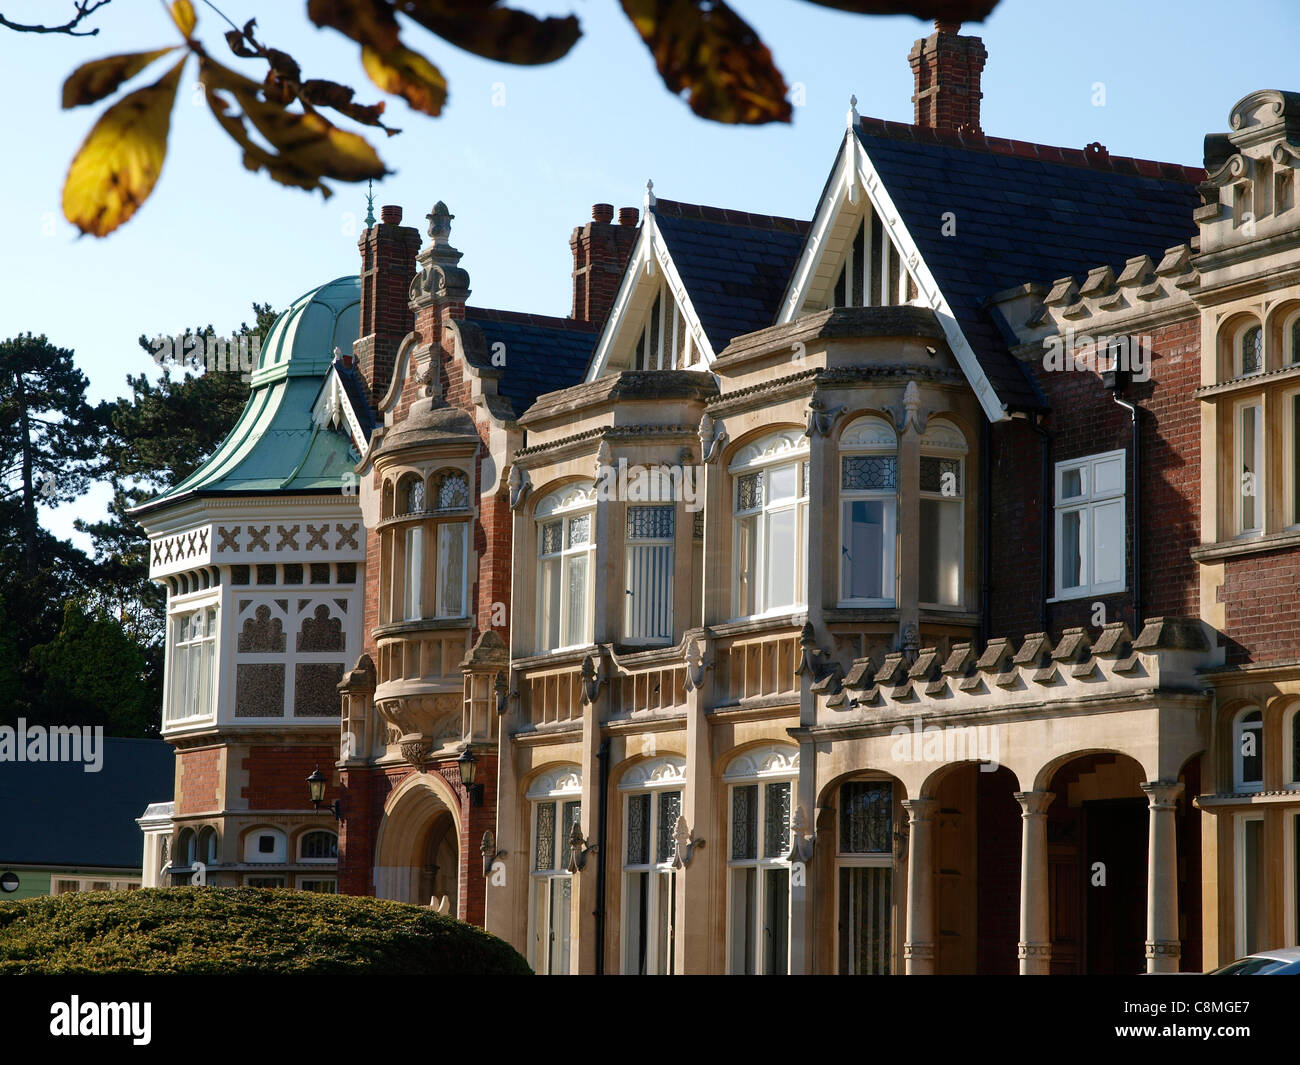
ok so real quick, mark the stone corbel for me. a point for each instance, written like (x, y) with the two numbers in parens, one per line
(684, 843)
(802, 842)
(696, 666)
(488, 848)
(818, 663)
(712, 437)
(519, 485)
(505, 695)
(821, 418)
(604, 458)
(591, 680)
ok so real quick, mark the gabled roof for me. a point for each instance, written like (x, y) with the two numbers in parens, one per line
(55, 813)
(542, 354)
(734, 265)
(1023, 213)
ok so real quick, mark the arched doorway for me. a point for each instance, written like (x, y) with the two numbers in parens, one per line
(417, 855)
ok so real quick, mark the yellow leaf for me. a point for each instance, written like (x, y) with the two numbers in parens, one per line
(184, 17)
(118, 164)
(409, 75)
(100, 77)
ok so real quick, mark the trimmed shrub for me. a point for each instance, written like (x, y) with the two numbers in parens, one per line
(242, 930)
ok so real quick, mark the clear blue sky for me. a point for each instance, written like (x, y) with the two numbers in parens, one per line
(592, 128)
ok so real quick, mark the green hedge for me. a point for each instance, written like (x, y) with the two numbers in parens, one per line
(241, 930)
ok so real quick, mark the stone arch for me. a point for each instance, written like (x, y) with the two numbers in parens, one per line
(420, 823)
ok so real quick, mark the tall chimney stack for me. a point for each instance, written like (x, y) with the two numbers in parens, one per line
(388, 252)
(600, 254)
(947, 68)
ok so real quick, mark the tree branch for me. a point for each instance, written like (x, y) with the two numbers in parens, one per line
(85, 8)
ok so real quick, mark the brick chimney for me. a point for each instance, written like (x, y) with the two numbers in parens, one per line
(947, 69)
(388, 252)
(600, 254)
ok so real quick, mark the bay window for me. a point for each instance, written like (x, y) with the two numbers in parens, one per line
(943, 515)
(566, 522)
(770, 480)
(648, 574)
(555, 801)
(1091, 552)
(443, 528)
(864, 870)
(758, 870)
(191, 691)
(652, 804)
(869, 508)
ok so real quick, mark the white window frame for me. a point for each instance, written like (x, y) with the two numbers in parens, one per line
(664, 599)
(1239, 783)
(1238, 467)
(302, 840)
(943, 440)
(1239, 874)
(784, 448)
(873, 437)
(869, 860)
(654, 778)
(1239, 335)
(279, 856)
(776, 764)
(1086, 504)
(181, 658)
(564, 505)
(557, 786)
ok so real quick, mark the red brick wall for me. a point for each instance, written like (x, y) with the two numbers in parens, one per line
(199, 777)
(1262, 610)
(1085, 421)
(388, 253)
(277, 775)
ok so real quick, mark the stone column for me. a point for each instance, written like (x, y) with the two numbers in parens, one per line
(918, 951)
(693, 921)
(1163, 948)
(1035, 929)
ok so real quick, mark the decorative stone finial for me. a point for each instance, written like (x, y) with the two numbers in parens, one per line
(852, 116)
(649, 195)
(440, 223)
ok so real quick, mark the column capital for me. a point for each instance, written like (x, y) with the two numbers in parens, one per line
(1162, 794)
(919, 809)
(1034, 803)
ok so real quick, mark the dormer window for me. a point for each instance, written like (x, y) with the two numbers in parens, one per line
(665, 341)
(873, 273)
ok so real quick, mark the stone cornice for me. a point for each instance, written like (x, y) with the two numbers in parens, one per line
(836, 323)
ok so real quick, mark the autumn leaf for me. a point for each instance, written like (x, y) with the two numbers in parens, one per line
(182, 12)
(706, 50)
(407, 74)
(118, 164)
(941, 10)
(102, 77)
(255, 156)
(368, 22)
(500, 33)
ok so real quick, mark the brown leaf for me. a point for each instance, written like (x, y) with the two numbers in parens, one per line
(239, 45)
(255, 156)
(500, 33)
(321, 93)
(409, 75)
(368, 22)
(118, 164)
(706, 50)
(942, 10)
(182, 12)
(102, 77)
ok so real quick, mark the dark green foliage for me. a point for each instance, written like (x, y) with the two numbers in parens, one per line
(242, 931)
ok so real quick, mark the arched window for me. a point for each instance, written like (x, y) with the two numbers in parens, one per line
(869, 511)
(760, 802)
(1248, 750)
(453, 544)
(566, 545)
(1249, 349)
(410, 495)
(265, 845)
(648, 558)
(209, 846)
(1291, 751)
(1291, 338)
(555, 799)
(187, 848)
(770, 478)
(318, 846)
(442, 528)
(651, 806)
(943, 515)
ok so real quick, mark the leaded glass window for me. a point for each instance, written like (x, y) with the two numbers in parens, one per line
(551, 538)
(638, 830)
(579, 530)
(866, 817)
(650, 523)
(670, 808)
(453, 492)
(776, 820)
(411, 498)
(544, 856)
(749, 491)
(867, 473)
(758, 877)
(933, 470)
(744, 821)
(1252, 351)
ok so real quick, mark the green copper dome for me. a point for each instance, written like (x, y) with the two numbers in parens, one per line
(276, 446)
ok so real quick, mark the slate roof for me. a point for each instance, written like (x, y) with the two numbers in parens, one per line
(735, 265)
(1024, 213)
(57, 814)
(542, 354)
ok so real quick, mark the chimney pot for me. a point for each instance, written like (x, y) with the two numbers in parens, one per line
(628, 216)
(390, 216)
(602, 212)
(946, 26)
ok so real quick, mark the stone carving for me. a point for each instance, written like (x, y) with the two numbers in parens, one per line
(262, 633)
(519, 486)
(820, 417)
(712, 437)
(321, 632)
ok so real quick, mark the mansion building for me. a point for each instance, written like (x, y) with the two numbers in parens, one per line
(906, 589)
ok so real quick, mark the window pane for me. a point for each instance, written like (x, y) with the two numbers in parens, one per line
(638, 830)
(1073, 483)
(544, 856)
(941, 551)
(1108, 477)
(782, 556)
(744, 821)
(866, 817)
(451, 570)
(1295, 754)
(933, 479)
(743, 904)
(1295, 455)
(648, 569)
(749, 491)
(650, 523)
(1108, 554)
(561, 921)
(635, 920)
(776, 921)
(747, 566)
(867, 538)
(579, 530)
(413, 592)
(784, 482)
(1072, 549)
(576, 601)
(1251, 752)
(1252, 350)
(1255, 882)
(865, 910)
(453, 492)
(548, 595)
(670, 808)
(550, 538)
(568, 818)
(1249, 475)
(869, 472)
(776, 820)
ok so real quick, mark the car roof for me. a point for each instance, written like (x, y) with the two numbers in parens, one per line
(1279, 954)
